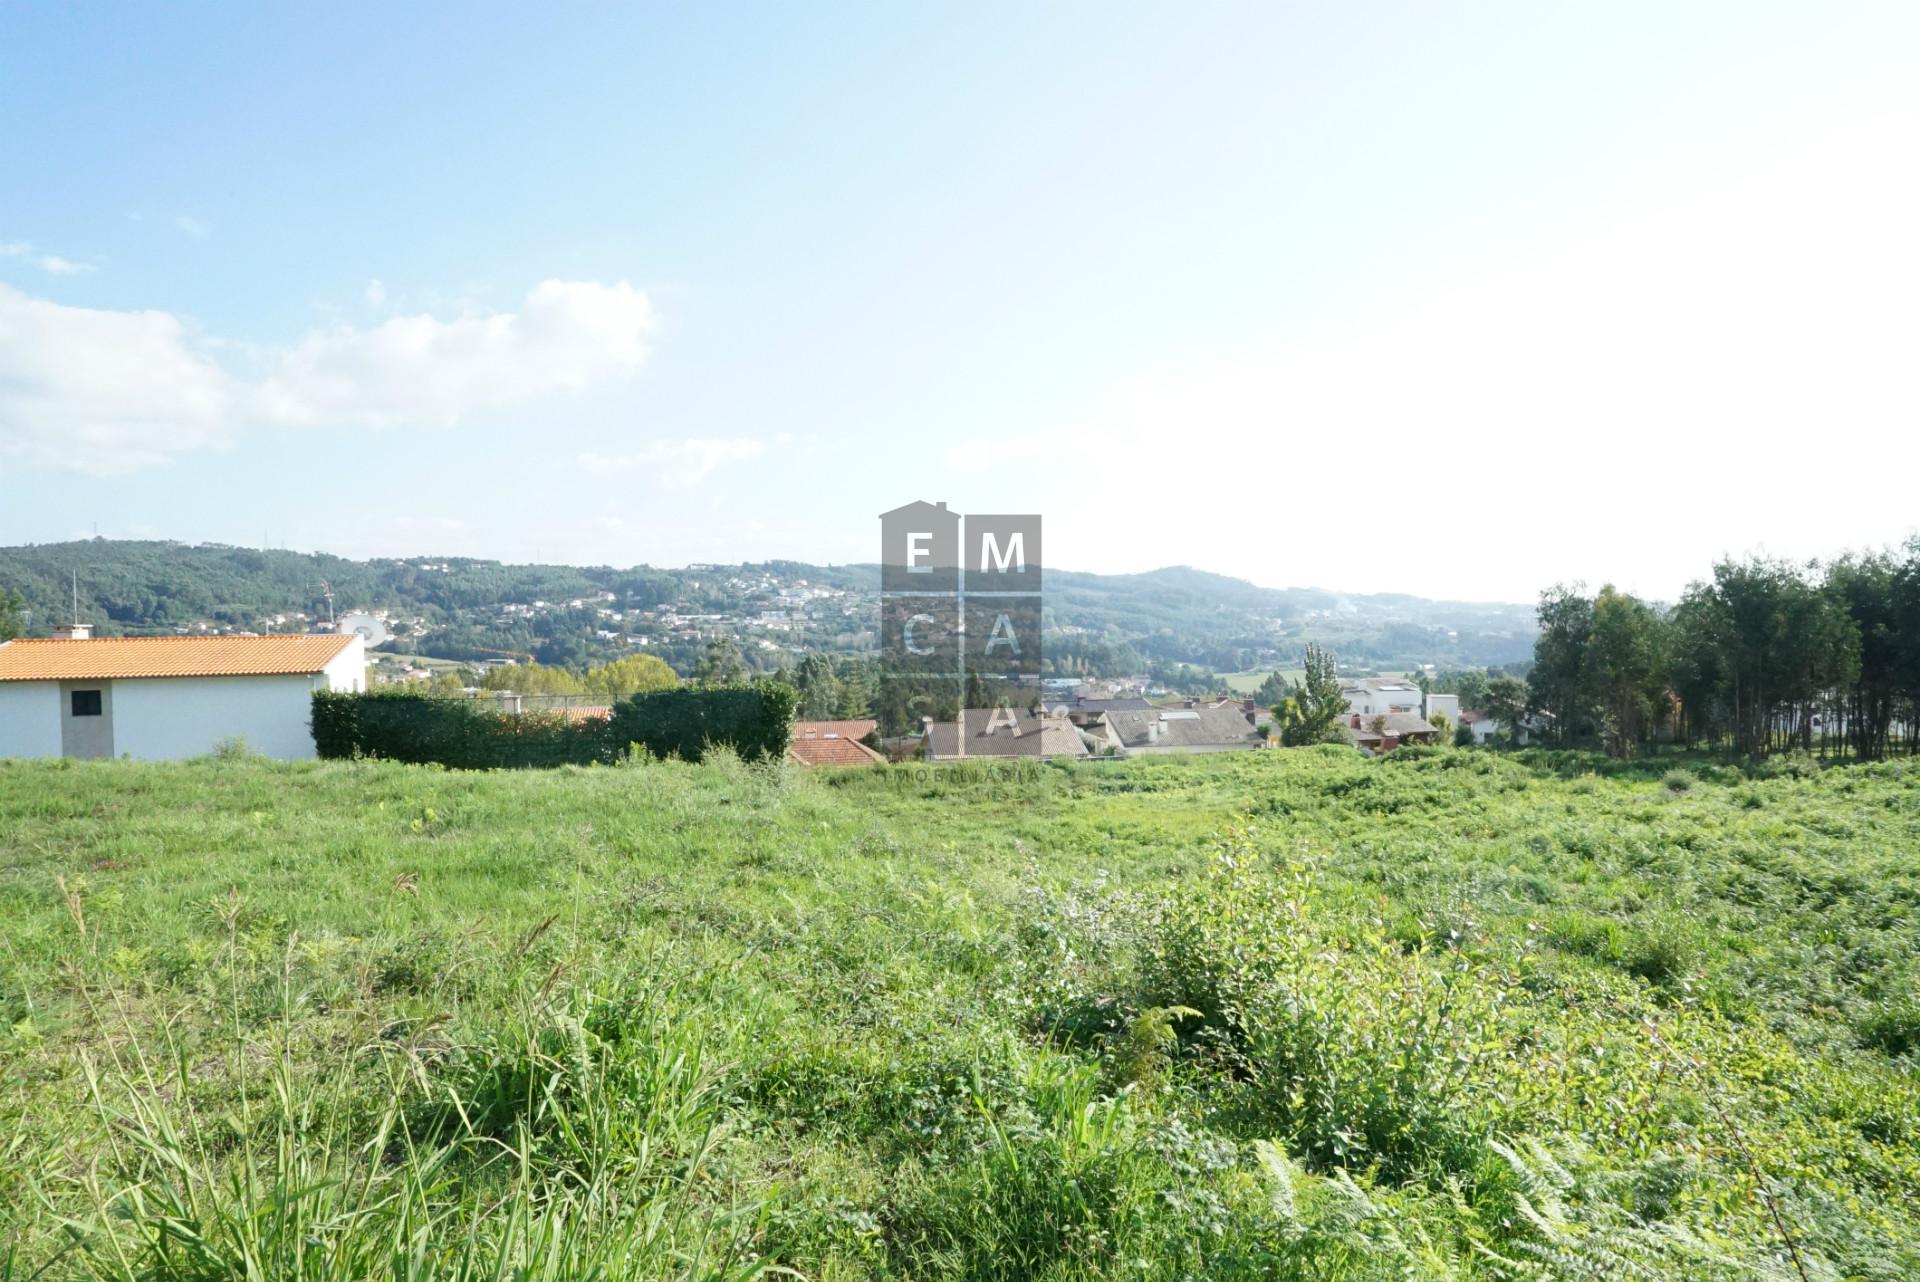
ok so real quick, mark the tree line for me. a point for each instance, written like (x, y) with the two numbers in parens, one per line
(1763, 656)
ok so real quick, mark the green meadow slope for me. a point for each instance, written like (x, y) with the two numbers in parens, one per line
(1276, 1015)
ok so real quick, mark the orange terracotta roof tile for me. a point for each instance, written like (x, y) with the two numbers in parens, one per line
(841, 729)
(833, 743)
(109, 658)
(833, 752)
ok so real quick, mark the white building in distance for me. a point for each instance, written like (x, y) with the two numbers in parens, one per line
(164, 698)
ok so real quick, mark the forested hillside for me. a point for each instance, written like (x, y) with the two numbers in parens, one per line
(462, 608)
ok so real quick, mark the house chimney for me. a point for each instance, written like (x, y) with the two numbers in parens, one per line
(1356, 721)
(73, 632)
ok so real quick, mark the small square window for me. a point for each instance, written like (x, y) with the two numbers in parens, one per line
(86, 703)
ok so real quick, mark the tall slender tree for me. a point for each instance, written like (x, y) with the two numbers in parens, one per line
(1624, 668)
(1313, 713)
(13, 609)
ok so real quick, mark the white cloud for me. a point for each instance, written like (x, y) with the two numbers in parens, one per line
(103, 392)
(52, 264)
(192, 226)
(567, 336)
(677, 464)
(63, 266)
(109, 391)
(376, 293)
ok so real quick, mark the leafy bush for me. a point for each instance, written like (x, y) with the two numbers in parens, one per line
(406, 725)
(1361, 1054)
(1893, 1027)
(1788, 765)
(1677, 780)
(756, 721)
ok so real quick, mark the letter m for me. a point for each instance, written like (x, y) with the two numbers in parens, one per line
(1014, 554)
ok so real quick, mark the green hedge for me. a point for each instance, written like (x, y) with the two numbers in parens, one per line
(754, 720)
(406, 725)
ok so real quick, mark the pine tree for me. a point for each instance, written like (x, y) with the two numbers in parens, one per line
(818, 688)
(856, 692)
(1313, 714)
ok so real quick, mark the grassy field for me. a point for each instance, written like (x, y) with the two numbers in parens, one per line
(1274, 1015)
(1248, 682)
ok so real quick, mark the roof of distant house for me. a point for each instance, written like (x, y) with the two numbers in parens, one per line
(858, 728)
(1381, 685)
(1098, 705)
(111, 658)
(1395, 725)
(833, 743)
(1201, 727)
(1004, 732)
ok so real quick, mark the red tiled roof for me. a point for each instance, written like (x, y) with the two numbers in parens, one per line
(833, 752)
(108, 658)
(833, 743)
(843, 729)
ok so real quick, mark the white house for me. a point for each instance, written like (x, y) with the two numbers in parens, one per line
(1384, 696)
(1380, 696)
(161, 698)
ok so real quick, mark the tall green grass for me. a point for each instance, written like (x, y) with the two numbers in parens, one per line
(1287, 1015)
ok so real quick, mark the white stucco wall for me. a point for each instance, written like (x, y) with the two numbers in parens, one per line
(1444, 703)
(29, 719)
(348, 671)
(1376, 702)
(170, 717)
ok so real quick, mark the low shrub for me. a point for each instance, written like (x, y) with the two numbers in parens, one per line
(407, 725)
(1360, 1054)
(1892, 1027)
(756, 721)
(1677, 780)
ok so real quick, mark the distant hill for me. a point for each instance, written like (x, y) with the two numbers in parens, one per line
(465, 608)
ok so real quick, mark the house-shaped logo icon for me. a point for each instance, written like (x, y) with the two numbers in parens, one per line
(920, 549)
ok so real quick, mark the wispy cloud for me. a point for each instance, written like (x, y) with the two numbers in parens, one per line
(102, 391)
(192, 226)
(376, 293)
(566, 337)
(52, 264)
(59, 266)
(678, 465)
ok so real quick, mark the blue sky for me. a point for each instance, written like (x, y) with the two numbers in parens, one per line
(1452, 300)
